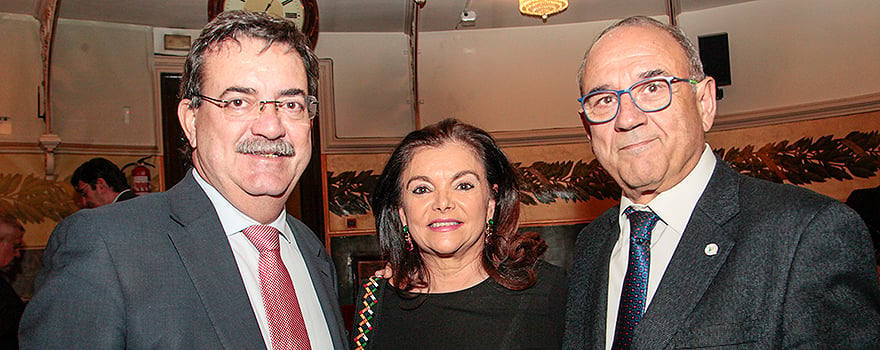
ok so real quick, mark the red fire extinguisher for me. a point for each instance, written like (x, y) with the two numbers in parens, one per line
(140, 175)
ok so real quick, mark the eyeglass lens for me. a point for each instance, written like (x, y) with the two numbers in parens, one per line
(649, 96)
(246, 107)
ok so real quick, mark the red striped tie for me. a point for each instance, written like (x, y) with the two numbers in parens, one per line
(286, 324)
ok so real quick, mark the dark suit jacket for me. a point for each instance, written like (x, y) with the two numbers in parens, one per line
(794, 269)
(11, 308)
(155, 272)
(866, 202)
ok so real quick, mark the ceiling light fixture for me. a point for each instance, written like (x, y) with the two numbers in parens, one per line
(542, 8)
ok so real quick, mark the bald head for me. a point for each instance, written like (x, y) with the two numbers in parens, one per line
(691, 56)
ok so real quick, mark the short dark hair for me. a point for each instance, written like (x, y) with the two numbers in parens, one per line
(509, 257)
(235, 25)
(100, 168)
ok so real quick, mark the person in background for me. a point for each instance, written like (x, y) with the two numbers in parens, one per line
(100, 182)
(697, 255)
(11, 305)
(215, 262)
(447, 210)
(866, 202)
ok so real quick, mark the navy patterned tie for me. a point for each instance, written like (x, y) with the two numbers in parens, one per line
(635, 284)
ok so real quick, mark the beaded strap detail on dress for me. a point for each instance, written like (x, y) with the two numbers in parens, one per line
(366, 313)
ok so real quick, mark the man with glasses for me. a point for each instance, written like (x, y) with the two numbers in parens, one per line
(697, 255)
(215, 262)
(99, 182)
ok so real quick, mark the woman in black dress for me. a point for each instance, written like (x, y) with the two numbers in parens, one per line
(447, 211)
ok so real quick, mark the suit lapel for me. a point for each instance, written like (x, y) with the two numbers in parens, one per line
(588, 293)
(601, 297)
(322, 277)
(207, 257)
(692, 269)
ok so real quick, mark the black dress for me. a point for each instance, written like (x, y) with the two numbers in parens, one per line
(485, 316)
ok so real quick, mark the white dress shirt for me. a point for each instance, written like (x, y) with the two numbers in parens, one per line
(247, 257)
(674, 207)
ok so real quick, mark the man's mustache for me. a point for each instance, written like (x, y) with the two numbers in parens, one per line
(259, 146)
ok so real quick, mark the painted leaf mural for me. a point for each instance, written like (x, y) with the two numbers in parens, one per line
(801, 162)
(33, 199)
(806, 161)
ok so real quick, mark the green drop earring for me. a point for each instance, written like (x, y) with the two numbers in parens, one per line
(490, 228)
(409, 243)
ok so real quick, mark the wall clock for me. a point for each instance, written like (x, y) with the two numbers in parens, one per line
(303, 13)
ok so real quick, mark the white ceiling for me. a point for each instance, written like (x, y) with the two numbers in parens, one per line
(363, 15)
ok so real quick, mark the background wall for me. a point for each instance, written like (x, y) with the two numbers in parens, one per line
(372, 78)
(99, 69)
(504, 79)
(20, 71)
(792, 52)
(783, 53)
(350, 179)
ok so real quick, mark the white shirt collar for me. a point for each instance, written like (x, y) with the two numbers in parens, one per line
(232, 219)
(120, 195)
(676, 205)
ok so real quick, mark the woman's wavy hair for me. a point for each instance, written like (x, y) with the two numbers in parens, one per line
(509, 257)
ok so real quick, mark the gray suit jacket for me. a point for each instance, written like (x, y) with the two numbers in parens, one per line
(794, 269)
(157, 272)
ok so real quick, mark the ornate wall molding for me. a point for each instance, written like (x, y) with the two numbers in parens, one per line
(20, 148)
(819, 110)
(79, 148)
(825, 109)
(330, 142)
(803, 161)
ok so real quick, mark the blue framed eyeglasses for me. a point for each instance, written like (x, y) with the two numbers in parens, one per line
(649, 95)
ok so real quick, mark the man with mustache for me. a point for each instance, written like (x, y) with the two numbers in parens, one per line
(215, 262)
(697, 255)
